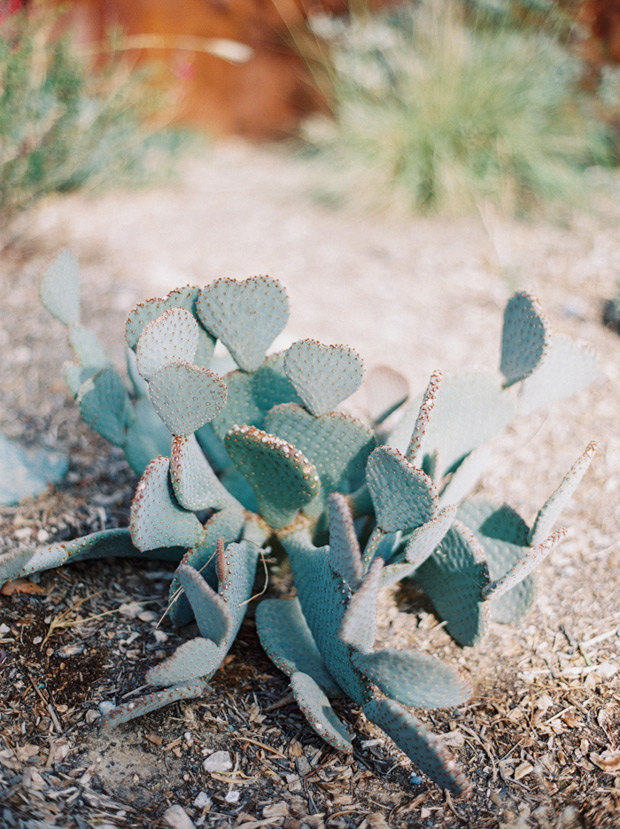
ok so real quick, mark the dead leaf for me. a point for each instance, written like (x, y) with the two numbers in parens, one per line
(21, 586)
(608, 761)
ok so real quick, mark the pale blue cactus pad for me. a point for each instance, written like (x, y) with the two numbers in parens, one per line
(526, 336)
(186, 397)
(28, 471)
(283, 479)
(323, 375)
(404, 497)
(246, 316)
(171, 338)
(59, 288)
(104, 404)
(386, 391)
(150, 310)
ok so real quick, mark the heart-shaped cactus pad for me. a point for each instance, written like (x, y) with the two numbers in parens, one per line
(526, 336)
(171, 338)
(186, 397)
(245, 315)
(323, 375)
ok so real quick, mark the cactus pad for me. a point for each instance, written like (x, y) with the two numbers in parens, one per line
(288, 642)
(419, 744)
(59, 288)
(415, 679)
(404, 497)
(193, 659)
(526, 336)
(246, 316)
(319, 713)
(282, 478)
(171, 338)
(152, 702)
(156, 519)
(252, 395)
(323, 375)
(105, 406)
(359, 623)
(344, 548)
(552, 509)
(386, 390)
(453, 578)
(567, 368)
(87, 347)
(26, 472)
(195, 484)
(470, 409)
(414, 452)
(186, 396)
(337, 445)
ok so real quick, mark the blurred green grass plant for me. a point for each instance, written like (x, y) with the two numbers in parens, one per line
(64, 126)
(441, 106)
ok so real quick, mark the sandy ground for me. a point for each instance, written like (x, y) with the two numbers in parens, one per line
(417, 294)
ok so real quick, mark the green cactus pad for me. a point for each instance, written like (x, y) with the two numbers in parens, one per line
(386, 390)
(148, 311)
(345, 557)
(415, 679)
(453, 579)
(246, 316)
(76, 375)
(567, 368)
(59, 288)
(195, 484)
(105, 406)
(147, 436)
(466, 476)
(152, 702)
(282, 478)
(171, 338)
(193, 659)
(526, 565)
(336, 444)
(323, 375)
(227, 525)
(359, 624)
(552, 509)
(471, 408)
(319, 713)
(114, 543)
(210, 610)
(186, 396)
(419, 744)
(87, 347)
(424, 539)
(251, 396)
(324, 597)
(403, 496)
(156, 518)
(503, 535)
(27, 472)
(526, 336)
(287, 641)
(414, 453)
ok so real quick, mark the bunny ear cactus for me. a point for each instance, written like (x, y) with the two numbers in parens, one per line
(262, 452)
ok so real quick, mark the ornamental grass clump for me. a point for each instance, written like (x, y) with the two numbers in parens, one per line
(263, 456)
(439, 107)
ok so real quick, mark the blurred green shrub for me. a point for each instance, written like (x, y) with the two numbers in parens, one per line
(64, 126)
(444, 104)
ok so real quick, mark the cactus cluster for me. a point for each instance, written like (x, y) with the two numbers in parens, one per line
(262, 455)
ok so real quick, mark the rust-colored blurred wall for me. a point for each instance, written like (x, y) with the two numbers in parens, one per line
(264, 97)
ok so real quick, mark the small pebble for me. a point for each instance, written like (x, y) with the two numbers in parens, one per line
(177, 817)
(414, 780)
(202, 800)
(218, 761)
(91, 716)
(105, 706)
(232, 796)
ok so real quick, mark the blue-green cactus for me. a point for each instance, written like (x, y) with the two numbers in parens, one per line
(229, 463)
